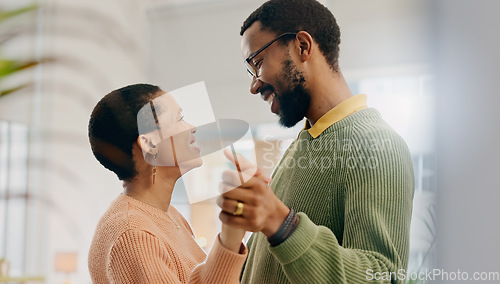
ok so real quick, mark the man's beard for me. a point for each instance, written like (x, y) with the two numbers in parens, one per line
(295, 100)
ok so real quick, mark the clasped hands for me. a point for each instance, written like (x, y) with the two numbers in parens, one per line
(251, 205)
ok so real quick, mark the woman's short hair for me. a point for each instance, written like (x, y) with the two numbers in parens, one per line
(113, 127)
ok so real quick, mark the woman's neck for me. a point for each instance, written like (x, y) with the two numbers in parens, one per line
(157, 195)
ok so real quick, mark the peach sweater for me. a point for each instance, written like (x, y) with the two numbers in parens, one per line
(137, 243)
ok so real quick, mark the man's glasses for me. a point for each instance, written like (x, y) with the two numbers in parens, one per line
(253, 71)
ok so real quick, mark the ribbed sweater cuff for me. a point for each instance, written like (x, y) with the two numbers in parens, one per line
(298, 242)
(224, 265)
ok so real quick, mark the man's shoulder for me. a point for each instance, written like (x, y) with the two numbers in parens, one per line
(365, 133)
(362, 125)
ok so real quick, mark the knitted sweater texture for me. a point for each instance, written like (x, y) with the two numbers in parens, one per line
(138, 243)
(353, 187)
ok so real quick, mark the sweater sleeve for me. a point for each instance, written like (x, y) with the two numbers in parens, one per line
(221, 266)
(139, 257)
(375, 242)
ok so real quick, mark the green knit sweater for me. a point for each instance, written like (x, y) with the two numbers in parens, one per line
(353, 186)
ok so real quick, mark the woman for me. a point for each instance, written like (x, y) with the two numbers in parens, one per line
(142, 238)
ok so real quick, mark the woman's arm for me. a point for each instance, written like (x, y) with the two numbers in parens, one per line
(231, 237)
(139, 257)
(225, 261)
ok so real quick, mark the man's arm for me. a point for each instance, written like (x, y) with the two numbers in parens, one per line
(378, 205)
(374, 243)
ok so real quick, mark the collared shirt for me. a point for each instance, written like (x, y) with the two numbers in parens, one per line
(339, 112)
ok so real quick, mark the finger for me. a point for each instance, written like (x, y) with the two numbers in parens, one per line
(225, 187)
(238, 221)
(244, 195)
(229, 155)
(231, 178)
(246, 167)
(235, 221)
(235, 178)
(240, 162)
(255, 184)
(231, 220)
(261, 175)
(229, 205)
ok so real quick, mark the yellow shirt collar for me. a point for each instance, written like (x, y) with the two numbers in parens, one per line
(339, 112)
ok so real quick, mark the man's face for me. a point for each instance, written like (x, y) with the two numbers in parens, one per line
(280, 81)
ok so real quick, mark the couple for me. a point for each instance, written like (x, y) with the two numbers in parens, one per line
(313, 225)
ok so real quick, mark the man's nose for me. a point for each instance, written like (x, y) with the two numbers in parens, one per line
(255, 86)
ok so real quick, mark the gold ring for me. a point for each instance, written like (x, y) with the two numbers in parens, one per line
(239, 209)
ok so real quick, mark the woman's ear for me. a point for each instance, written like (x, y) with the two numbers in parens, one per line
(145, 143)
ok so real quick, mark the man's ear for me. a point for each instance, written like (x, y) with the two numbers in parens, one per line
(145, 143)
(305, 45)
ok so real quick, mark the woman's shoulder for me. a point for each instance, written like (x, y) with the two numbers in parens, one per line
(115, 220)
(178, 218)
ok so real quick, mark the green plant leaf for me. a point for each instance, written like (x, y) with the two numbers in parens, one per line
(5, 15)
(7, 67)
(10, 67)
(15, 89)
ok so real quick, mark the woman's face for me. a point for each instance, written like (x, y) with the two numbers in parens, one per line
(177, 141)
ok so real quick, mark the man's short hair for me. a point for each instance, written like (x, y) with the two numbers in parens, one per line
(113, 127)
(281, 16)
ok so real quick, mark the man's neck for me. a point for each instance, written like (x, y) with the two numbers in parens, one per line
(326, 93)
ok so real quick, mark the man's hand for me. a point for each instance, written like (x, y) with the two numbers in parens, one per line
(262, 210)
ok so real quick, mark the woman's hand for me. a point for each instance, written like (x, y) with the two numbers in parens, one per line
(231, 237)
(260, 210)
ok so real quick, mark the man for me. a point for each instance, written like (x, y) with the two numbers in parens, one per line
(348, 175)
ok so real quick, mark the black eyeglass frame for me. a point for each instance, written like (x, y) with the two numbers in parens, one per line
(248, 62)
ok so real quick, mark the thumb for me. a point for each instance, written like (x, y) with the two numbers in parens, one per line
(246, 166)
(261, 175)
(239, 161)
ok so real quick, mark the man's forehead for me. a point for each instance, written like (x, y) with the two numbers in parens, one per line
(254, 38)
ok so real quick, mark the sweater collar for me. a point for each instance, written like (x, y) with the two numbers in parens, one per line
(339, 112)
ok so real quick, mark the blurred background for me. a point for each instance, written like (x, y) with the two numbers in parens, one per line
(430, 67)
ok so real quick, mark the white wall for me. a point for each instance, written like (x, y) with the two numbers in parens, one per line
(103, 47)
(201, 42)
(468, 62)
(109, 44)
(383, 33)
